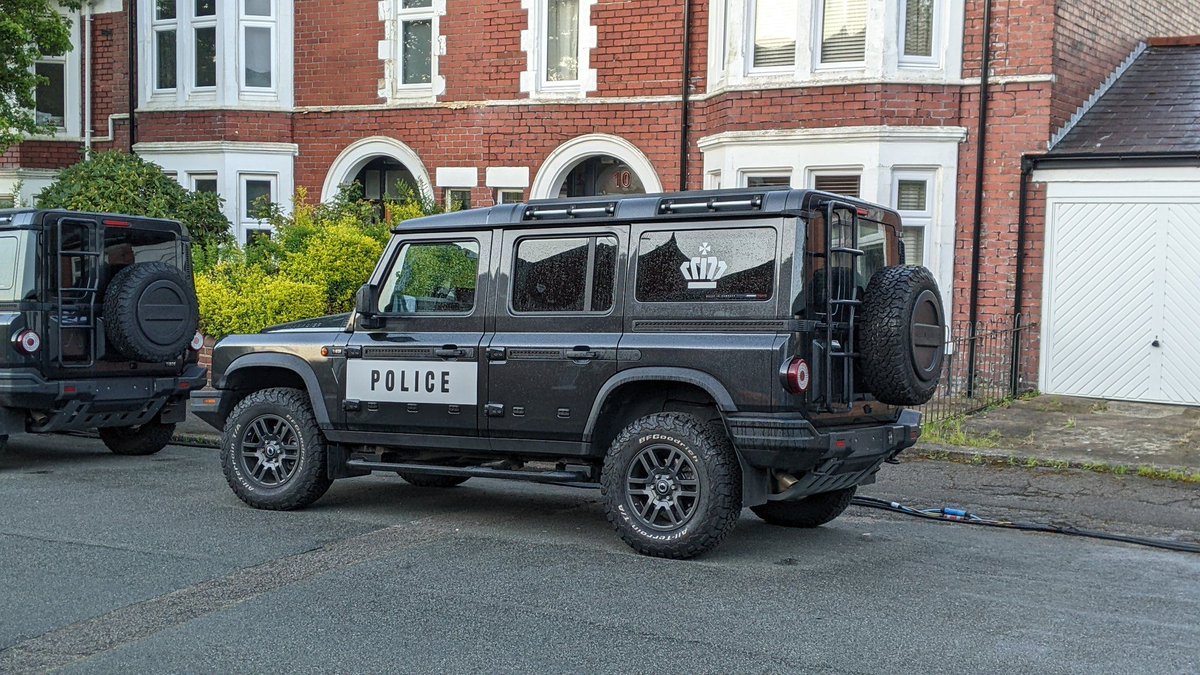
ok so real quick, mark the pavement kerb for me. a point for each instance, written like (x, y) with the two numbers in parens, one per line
(1003, 457)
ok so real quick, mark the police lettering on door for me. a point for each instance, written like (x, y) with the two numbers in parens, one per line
(449, 382)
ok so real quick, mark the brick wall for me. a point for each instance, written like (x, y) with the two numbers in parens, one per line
(335, 54)
(1092, 38)
(110, 73)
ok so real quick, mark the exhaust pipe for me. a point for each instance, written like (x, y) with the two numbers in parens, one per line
(784, 481)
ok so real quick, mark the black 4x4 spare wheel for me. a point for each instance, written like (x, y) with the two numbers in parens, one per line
(150, 312)
(901, 335)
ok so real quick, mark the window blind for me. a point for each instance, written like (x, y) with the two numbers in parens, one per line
(838, 185)
(843, 31)
(918, 28)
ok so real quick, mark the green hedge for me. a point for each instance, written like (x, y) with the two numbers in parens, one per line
(314, 263)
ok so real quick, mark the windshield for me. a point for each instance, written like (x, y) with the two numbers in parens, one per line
(17, 266)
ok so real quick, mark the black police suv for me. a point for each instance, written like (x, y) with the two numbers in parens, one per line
(691, 353)
(98, 321)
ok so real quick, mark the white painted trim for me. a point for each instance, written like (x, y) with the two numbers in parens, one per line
(457, 177)
(1100, 91)
(880, 134)
(236, 147)
(507, 177)
(355, 156)
(1066, 182)
(564, 158)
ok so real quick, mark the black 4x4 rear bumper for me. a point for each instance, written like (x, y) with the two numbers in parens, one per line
(822, 460)
(77, 404)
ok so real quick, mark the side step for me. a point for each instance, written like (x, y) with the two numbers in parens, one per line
(475, 471)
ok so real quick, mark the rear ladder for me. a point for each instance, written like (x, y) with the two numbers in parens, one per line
(76, 306)
(841, 305)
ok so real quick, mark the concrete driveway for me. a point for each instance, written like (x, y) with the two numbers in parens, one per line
(151, 564)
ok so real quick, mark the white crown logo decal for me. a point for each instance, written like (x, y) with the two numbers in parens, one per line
(702, 271)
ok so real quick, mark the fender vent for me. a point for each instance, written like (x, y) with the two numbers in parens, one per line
(397, 352)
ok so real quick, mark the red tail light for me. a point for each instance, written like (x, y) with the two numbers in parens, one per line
(796, 376)
(28, 342)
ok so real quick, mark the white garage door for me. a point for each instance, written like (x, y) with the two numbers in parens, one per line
(1121, 312)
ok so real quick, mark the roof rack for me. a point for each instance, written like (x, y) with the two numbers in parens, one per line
(569, 211)
(699, 204)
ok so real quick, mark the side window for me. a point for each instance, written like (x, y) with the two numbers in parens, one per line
(706, 265)
(432, 278)
(564, 274)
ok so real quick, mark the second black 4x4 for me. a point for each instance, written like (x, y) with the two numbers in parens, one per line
(692, 353)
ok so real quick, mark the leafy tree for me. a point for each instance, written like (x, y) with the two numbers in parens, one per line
(117, 182)
(29, 30)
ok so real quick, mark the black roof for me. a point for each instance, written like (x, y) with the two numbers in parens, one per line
(739, 203)
(10, 215)
(1154, 107)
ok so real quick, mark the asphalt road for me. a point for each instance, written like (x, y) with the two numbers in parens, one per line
(152, 565)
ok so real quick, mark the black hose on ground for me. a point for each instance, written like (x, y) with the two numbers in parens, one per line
(959, 516)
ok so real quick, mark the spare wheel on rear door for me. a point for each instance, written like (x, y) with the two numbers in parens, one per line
(902, 335)
(150, 312)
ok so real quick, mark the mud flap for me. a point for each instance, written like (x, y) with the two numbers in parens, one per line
(756, 484)
(11, 421)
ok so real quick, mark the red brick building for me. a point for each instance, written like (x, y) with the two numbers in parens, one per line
(479, 101)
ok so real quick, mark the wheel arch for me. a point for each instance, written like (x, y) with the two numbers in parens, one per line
(252, 372)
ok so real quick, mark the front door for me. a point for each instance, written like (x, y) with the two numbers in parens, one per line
(558, 322)
(418, 372)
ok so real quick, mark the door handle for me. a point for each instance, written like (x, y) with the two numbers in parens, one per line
(450, 352)
(581, 354)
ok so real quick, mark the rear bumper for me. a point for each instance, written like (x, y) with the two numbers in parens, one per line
(822, 460)
(77, 404)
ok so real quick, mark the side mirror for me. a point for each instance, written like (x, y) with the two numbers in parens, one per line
(364, 301)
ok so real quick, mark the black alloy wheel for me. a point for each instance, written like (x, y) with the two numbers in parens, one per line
(270, 450)
(663, 487)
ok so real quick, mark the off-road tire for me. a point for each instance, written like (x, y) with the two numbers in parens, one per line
(901, 355)
(720, 484)
(427, 480)
(146, 439)
(811, 511)
(130, 328)
(310, 479)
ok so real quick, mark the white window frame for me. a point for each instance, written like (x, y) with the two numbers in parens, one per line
(157, 26)
(749, 35)
(195, 23)
(818, 30)
(811, 175)
(246, 21)
(744, 175)
(67, 102)
(449, 197)
(197, 176)
(939, 21)
(500, 195)
(245, 221)
(926, 218)
(534, 43)
(394, 47)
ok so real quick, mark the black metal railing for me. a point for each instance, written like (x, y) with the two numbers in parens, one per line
(1001, 351)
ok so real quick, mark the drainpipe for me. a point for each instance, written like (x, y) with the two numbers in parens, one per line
(131, 44)
(685, 96)
(980, 157)
(87, 78)
(1028, 163)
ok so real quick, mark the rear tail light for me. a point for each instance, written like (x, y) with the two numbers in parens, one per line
(197, 342)
(28, 342)
(796, 376)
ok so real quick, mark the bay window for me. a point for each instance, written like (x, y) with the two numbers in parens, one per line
(216, 52)
(775, 25)
(912, 201)
(919, 32)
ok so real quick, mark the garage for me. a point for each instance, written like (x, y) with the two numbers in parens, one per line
(1121, 303)
(1121, 268)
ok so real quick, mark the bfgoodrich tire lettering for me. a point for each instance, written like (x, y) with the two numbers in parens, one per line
(811, 511)
(680, 440)
(301, 482)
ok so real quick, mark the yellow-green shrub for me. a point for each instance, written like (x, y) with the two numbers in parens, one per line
(338, 259)
(238, 298)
